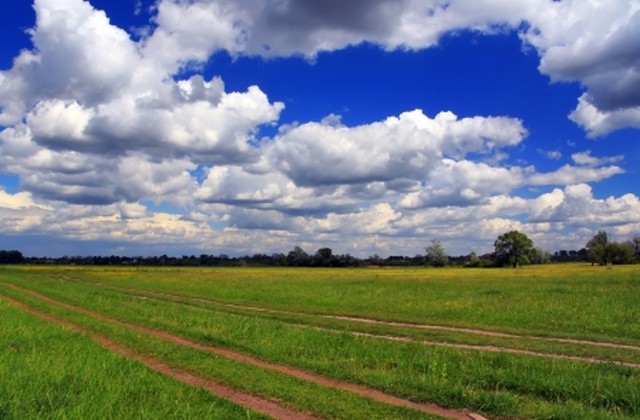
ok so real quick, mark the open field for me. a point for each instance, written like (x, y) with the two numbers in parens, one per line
(559, 341)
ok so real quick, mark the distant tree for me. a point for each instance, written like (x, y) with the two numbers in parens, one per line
(375, 259)
(634, 245)
(620, 253)
(512, 248)
(323, 256)
(436, 255)
(297, 257)
(472, 260)
(11, 257)
(539, 256)
(597, 248)
(325, 253)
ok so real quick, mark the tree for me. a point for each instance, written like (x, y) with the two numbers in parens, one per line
(512, 248)
(598, 248)
(297, 257)
(539, 256)
(634, 244)
(620, 253)
(473, 260)
(323, 256)
(436, 255)
(11, 257)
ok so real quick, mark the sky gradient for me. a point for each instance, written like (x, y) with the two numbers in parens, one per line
(371, 127)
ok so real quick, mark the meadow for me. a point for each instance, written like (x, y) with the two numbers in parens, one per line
(550, 341)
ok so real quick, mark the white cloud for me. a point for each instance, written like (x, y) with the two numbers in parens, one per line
(404, 147)
(77, 55)
(589, 42)
(593, 43)
(551, 154)
(95, 122)
(568, 174)
(585, 158)
(17, 201)
(598, 122)
(57, 123)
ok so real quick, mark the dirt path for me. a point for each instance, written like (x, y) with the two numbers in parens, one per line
(260, 405)
(483, 332)
(294, 372)
(475, 331)
(488, 333)
(495, 349)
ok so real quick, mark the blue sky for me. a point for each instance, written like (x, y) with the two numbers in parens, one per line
(371, 127)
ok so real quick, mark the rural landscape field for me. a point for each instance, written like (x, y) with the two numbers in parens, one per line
(549, 341)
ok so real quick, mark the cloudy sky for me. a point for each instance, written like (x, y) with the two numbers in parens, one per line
(145, 127)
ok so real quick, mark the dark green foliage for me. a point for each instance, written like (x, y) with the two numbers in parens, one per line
(436, 255)
(597, 247)
(603, 251)
(512, 249)
(11, 257)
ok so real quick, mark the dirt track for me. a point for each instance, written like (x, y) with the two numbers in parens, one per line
(494, 349)
(252, 402)
(225, 392)
(475, 331)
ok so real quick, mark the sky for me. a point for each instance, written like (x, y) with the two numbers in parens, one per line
(181, 127)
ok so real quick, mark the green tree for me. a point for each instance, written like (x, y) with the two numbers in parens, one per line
(297, 257)
(472, 260)
(634, 244)
(436, 255)
(598, 248)
(539, 256)
(323, 256)
(620, 253)
(512, 248)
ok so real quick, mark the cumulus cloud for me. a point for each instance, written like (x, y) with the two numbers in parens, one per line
(586, 158)
(87, 101)
(589, 42)
(593, 43)
(21, 200)
(77, 55)
(598, 122)
(95, 123)
(405, 147)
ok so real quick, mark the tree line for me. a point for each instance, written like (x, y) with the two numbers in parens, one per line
(511, 249)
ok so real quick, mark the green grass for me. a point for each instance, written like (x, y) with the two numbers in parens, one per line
(493, 383)
(325, 402)
(537, 344)
(562, 300)
(48, 371)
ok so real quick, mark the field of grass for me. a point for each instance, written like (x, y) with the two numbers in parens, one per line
(50, 372)
(560, 341)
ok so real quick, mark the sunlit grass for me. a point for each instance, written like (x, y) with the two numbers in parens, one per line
(302, 395)
(554, 301)
(47, 371)
(574, 300)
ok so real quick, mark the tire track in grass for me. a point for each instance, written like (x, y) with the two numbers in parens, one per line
(373, 394)
(257, 404)
(363, 320)
(475, 331)
(495, 349)
(474, 347)
(483, 332)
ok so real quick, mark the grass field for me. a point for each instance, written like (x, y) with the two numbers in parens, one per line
(557, 341)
